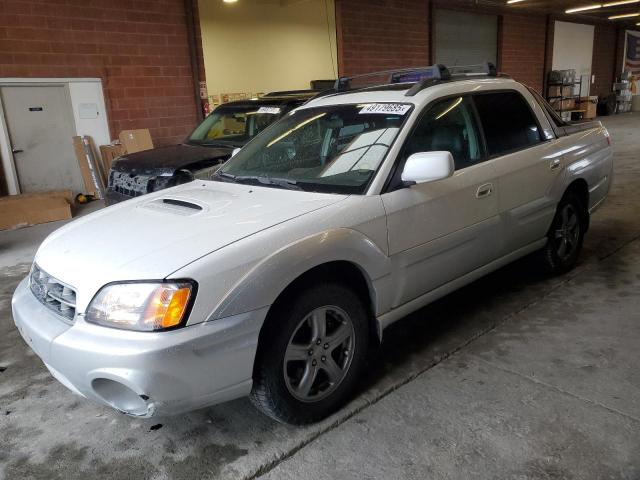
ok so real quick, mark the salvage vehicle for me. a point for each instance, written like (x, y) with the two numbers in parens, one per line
(227, 128)
(276, 277)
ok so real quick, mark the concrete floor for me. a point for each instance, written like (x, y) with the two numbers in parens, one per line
(516, 376)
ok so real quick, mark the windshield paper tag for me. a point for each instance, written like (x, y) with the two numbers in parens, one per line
(269, 110)
(386, 108)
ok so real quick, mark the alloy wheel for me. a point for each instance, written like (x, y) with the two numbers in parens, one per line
(567, 234)
(319, 354)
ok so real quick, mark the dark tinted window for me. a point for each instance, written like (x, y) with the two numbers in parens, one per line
(449, 126)
(507, 121)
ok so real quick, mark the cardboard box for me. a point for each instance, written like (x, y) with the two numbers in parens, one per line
(109, 153)
(91, 169)
(557, 91)
(136, 140)
(34, 208)
(567, 104)
(590, 106)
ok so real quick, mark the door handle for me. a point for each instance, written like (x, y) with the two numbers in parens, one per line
(484, 190)
(16, 150)
(555, 164)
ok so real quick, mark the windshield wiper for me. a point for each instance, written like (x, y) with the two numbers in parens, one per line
(261, 180)
(220, 144)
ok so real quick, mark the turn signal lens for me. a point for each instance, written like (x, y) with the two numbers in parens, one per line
(142, 306)
(167, 307)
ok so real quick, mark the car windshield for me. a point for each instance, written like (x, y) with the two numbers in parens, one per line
(234, 125)
(333, 149)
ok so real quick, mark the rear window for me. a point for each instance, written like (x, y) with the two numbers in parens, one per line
(552, 115)
(508, 122)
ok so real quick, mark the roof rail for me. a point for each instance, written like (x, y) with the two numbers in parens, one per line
(285, 93)
(403, 75)
(483, 69)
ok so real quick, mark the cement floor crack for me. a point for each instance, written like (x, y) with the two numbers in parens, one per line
(559, 390)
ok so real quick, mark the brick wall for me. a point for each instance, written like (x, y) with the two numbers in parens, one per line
(139, 49)
(381, 34)
(522, 48)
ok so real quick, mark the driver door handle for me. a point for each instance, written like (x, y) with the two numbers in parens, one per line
(555, 164)
(484, 190)
(16, 150)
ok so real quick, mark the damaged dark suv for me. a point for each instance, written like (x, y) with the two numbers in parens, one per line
(228, 127)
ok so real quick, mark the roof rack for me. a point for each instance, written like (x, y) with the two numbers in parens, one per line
(403, 75)
(457, 72)
(421, 77)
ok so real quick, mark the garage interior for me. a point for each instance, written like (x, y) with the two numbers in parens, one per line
(518, 375)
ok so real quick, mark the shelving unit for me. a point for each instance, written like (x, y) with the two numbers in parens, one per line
(556, 100)
(623, 93)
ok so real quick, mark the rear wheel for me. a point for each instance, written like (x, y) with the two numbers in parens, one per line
(311, 353)
(566, 235)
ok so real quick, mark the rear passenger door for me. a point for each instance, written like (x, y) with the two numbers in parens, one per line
(442, 230)
(527, 161)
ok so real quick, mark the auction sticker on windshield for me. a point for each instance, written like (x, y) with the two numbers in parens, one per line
(269, 110)
(386, 108)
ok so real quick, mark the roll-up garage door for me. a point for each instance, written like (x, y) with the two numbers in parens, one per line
(465, 38)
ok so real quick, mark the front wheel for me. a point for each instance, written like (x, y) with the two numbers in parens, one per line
(311, 354)
(565, 235)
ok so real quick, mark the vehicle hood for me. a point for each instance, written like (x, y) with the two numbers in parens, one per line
(166, 160)
(152, 236)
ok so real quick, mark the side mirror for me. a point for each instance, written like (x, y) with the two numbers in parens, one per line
(424, 167)
(235, 150)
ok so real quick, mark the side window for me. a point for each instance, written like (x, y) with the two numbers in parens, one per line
(450, 126)
(507, 121)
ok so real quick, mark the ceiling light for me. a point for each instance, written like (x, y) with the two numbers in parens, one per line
(582, 9)
(597, 6)
(626, 15)
(229, 1)
(619, 2)
(514, 1)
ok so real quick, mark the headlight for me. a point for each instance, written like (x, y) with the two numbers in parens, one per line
(143, 306)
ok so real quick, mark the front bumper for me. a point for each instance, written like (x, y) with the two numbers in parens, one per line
(143, 373)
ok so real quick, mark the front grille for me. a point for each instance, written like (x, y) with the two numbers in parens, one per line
(52, 293)
(126, 184)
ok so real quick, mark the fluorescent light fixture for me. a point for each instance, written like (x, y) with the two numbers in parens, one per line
(584, 9)
(509, 2)
(625, 15)
(620, 2)
(597, 6)
(229, 1)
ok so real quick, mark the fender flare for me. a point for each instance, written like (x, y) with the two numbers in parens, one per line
(262, 285)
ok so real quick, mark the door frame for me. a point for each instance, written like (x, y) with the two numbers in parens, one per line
(8, 161)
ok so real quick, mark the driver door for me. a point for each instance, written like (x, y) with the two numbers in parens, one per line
(442, 230)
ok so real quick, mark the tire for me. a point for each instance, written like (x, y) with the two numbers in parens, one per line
(295, 377)
(565, 236)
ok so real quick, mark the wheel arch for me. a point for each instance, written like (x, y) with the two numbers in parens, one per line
(339, 252)
(342, 271)
(580, 188)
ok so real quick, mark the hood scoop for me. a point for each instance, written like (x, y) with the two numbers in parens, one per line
(181, 203)
(176, 206)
